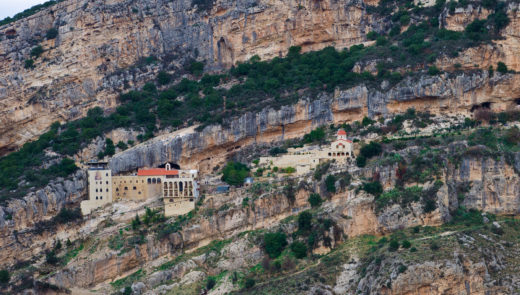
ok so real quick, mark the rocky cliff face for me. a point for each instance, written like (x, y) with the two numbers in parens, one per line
(98, 44)
(455, 94)
(101, 46)
(20, 239)
(214, 144)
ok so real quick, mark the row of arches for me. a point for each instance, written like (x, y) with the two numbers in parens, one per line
(178, 189)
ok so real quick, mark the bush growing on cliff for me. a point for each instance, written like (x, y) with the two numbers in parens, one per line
(110, 149)
(51, 258)
(37, 51)
(163, 78)
(315, 200)
(29, 64)
(249, 283)
(234, 173)
(299, 249)
(4, 276)
(330, 183)
(316, 135)
(304, 221)
(67, 215)
(374, 188)
(196, 68)
(370, 150)
(501, 67)
(52, 33)
(361, 161)
(274, 243)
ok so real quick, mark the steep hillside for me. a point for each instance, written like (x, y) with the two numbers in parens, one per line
(428, 92)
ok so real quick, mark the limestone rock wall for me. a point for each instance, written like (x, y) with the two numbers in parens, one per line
(204, 150)
(99, 42)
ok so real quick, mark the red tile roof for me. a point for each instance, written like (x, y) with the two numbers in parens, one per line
(156, 172)
(342, 132)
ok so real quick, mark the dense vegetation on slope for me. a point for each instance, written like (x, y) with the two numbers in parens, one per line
(254, 85)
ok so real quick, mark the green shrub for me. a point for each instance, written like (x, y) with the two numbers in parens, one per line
(316, 135)
(330, 183)
(4, 276)
(136, 222)
(405, 20)
(67, 215)
(274, 243)
(110, 149)
(210, 283)
(381, 41)
(122, 146)
(305, 221)
(433, 70)
(476, 30)
(315, 200)
(250, 283)
(288, 170)
(393, 246)
(374, 188)
(401, 269)
(51, 258)
(52, 33)
(371, 35)
(275, 151)
(361, 161)
(163, 78)
(299, 249)
(501, 67)
(37, 51)
(196, 68)
(234, 173)
(499, 19)
(406, 244)
(367, 121)
(434, 246)
(370, 150)
(29, 64)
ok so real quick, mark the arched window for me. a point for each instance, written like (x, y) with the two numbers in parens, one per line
(101, 197)
(117, 189)
(180, 186)
(126, 188)
(96, 197)
(107, 189)
(96, 190)
(158, 180)
(154, 180)
(135, 188)
(149, 180)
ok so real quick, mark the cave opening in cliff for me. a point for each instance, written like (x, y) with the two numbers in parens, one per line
(517, 101)
(485, 105)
